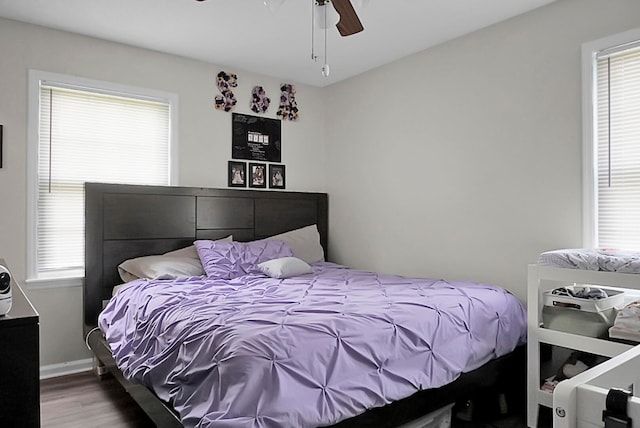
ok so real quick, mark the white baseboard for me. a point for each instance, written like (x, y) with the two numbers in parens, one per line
(67, 368)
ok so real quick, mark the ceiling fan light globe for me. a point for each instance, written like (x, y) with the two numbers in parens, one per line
(325, 16)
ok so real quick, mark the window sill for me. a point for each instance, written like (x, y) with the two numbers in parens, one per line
(46, 283)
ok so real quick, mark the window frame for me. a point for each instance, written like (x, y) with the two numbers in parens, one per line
(74, 278)
(590, 131)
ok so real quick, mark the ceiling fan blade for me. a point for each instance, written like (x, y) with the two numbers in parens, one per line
(349, 22)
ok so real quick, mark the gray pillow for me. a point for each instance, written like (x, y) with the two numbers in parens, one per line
(159, 267)
(305, 243)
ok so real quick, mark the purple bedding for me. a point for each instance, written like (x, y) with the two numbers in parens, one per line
(306, 351)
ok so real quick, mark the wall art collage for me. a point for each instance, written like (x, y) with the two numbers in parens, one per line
(260, 102)
(255, 139)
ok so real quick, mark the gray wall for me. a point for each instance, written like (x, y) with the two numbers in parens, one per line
(204, 141)
(464, 161)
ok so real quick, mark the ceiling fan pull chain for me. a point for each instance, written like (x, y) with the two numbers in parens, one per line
(325, 68)
(313, 20)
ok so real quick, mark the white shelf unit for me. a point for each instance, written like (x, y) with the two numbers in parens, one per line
(581, 399)
(541, 279)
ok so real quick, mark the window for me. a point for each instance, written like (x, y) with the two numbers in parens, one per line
(87, 131)
(612, 142)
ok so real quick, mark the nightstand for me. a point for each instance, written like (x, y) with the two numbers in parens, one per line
(19, 362)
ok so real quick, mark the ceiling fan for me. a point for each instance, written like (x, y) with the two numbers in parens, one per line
(349, 22)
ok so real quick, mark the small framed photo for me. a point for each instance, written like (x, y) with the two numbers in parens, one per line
(257, 175)
(237, 174)
(276, 177)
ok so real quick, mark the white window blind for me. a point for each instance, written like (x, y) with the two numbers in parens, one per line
(618, 148)
(89, 135)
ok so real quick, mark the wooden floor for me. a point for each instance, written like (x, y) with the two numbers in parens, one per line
(82, 400)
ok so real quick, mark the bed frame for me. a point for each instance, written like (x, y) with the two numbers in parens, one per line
(127, 221)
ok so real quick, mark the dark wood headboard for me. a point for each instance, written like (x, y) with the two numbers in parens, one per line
(127, 221)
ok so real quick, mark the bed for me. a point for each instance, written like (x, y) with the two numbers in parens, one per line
(124, 222)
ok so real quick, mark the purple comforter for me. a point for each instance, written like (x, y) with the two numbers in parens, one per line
(306, 351)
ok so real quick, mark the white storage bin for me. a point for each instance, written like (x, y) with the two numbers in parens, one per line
(587, 317)
(440, 418)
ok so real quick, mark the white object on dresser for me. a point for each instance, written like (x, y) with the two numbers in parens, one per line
(5, 291)
(541, 279)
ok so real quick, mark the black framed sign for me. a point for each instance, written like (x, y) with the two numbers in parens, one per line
(1, 126)
(256, 138)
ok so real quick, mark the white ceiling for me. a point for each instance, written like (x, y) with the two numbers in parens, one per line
(245, 35)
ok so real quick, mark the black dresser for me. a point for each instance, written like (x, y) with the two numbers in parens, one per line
(19, 363)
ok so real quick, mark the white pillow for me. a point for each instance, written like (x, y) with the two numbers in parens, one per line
(305, 243)
(285, 267)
